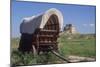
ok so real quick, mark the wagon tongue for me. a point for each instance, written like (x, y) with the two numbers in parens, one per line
(58, 55)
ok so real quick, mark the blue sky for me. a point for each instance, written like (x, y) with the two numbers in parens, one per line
(83, 17)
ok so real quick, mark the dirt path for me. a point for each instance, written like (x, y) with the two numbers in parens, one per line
(74, 59)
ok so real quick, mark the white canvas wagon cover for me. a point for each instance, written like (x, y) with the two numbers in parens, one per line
(29, 24)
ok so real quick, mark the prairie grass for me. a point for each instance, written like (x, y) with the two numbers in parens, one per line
(80, 45)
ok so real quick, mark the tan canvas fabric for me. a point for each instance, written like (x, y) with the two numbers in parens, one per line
(29, 24)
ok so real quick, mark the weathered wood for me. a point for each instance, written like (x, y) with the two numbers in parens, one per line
(43, 38)
(61, 57)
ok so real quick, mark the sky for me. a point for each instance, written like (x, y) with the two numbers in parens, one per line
(83, 17)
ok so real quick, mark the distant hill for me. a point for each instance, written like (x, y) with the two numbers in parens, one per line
(77, 36)
(70, 29)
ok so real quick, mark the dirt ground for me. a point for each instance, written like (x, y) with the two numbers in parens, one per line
(75, 59)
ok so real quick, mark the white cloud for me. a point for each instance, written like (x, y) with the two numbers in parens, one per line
(84, 24)
(92, 25)
(89, 25)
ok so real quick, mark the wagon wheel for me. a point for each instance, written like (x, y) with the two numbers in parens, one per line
(34, 50)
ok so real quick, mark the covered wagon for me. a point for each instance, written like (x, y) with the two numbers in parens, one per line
(40, 33)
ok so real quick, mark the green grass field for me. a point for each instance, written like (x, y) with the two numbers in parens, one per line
(79, 45)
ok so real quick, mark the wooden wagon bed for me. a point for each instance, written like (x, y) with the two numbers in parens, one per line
(41, 33)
